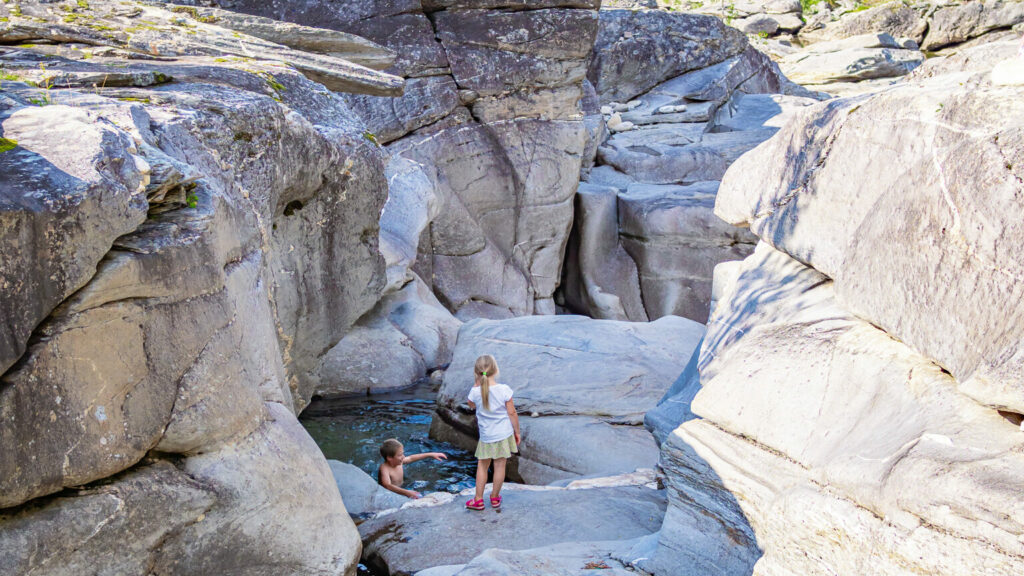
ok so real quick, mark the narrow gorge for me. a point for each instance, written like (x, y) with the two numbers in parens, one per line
(752, 269)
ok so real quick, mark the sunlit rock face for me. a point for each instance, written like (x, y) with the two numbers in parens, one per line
(179, 250)
(493, 112)
(859, 406)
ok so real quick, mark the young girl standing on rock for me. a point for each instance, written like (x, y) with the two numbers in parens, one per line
(499, 429)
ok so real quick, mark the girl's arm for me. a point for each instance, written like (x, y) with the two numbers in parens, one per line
(471, 405)
(514, 417)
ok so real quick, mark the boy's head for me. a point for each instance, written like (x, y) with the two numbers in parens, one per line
(391, 450)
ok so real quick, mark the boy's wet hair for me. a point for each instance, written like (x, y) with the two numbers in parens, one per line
(389, 448)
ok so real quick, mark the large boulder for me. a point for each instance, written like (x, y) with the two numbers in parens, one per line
(492, 52)
(125, 522)
(637, 50)
(823, 405)
(362, 494)
(483, 175)
(165, 387)
(561, 365)
(578, 384)
(675, 239)
(851, 59)
(894, 18)
(596, 448)
(806, 405)
(930, 226)
(961, 22)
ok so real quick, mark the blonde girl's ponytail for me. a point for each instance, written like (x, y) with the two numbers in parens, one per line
(485, 369)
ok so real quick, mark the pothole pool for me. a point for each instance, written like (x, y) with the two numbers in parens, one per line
(351, 430)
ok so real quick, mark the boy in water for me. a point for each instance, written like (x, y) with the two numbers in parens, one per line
(391, 473)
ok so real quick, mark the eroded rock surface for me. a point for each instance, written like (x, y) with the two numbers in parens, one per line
(645, 236)
(215, 200)
(824, 408)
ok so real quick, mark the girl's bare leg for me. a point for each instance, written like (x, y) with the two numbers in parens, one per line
(499, 476)
(481, 476)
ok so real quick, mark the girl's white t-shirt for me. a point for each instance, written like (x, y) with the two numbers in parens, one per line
(494, 424)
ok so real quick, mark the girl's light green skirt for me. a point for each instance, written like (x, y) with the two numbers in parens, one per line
(500, 449)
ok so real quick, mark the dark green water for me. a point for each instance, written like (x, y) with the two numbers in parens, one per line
(352, 429)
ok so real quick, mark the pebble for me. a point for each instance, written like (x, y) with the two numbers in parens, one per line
(672, 109)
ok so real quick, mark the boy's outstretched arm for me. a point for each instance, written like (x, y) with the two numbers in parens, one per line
(514, 417)
(424, 456)
(385, 481)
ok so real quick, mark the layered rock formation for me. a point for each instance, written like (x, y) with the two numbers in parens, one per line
(645, 238)
(176, 219)
(844, 426)
(492, 114)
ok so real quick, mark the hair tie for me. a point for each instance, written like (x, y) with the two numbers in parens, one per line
(483, 373)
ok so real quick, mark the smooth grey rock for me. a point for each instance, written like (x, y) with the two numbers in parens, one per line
(953, 257)
(563, 447)
(417, 332)
(559, 103)
(664, 163)
(430, 328)
(567, 559)
(562, 366)
(220, 396)
(63, 200)
(763, 24)
(851, 59)
(675, 239)
(199, 324)
(847, 418)
(634, 51)
(418, 538)
(411, 206)
(362, 494)
(424, 101)
(349, 47)
(601, 279)
(705, 527)
(958, 23)
(505, 193)
(275, 494)
(848, 89)
(124, 522)
(595, 125)
(674, 407)
(610, 177)
(756, 111)
(356, 366)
